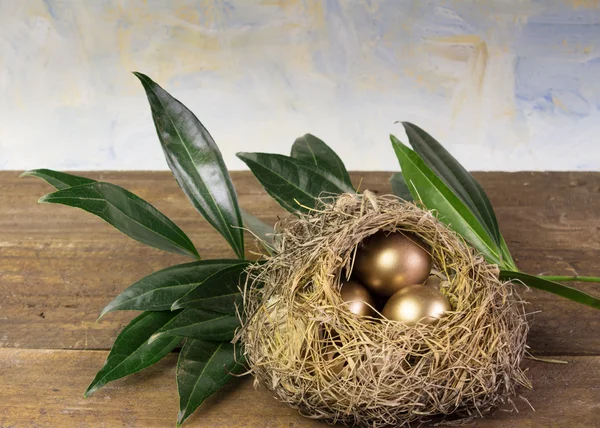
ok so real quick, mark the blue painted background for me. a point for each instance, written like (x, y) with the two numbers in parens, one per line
(505, 85)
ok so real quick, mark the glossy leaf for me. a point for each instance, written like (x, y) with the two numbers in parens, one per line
(507, 261)
(220, 292)
(399, 187)
(131, 351)
(461, 182)
(295, 184)
(311, 149)
(570, 278)
(456, 177)
(59, 180)
(552, 287)
(200, 324)
(125, 211)
(159, 290)
(260, 229)
(203, 368)
(196, 163)
(425, 186)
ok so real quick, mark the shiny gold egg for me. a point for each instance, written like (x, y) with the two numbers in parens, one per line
(357, 298)
(387, 262)
(433, 282)
(436, 280)
(416, 304)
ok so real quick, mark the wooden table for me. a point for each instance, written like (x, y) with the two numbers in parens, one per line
(60, 266)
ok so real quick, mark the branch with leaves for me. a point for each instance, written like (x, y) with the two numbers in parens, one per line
(195, 303)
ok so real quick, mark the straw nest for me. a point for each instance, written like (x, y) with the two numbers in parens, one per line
(303, 344)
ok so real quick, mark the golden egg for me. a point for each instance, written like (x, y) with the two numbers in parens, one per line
(433, 282)
(436, 280)
(416, 304)
(386, 262)
(357, 298)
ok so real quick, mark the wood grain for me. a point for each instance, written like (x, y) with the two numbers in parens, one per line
(60, 266)
(45, 388)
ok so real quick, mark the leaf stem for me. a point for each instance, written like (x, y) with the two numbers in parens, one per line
(570, 278)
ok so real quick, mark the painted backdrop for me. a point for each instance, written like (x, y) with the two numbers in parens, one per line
(506, 85)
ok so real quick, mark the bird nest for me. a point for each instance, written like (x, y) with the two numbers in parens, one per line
(302, 343)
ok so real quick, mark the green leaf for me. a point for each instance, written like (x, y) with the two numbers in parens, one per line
(196, 163)
(456, 177)
(260, 229)
(507, 261)
(131, 352)
(220, 292)
(311, 149)
(203, 368)
(59, 180)
(570, 278)
(294, 184)
(427, 187)
(552, 287)
(131, 215)
(200, 324)
(399, 187)
(460, 181)
(159, 290)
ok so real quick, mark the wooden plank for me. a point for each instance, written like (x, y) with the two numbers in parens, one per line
(45, 388)
(60, 266)
(551, 224)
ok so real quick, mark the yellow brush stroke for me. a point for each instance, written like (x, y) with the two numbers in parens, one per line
(283, 4)
(191, 32)
(558, 103)
(454, 48)
(316, 12)
(461, 39)
(476, 69)
(583, 4)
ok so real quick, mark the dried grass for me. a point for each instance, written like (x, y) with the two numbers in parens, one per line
(303, 344)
